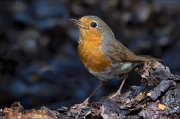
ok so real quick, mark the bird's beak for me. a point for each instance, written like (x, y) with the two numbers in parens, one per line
(79, 23)
(75, 21)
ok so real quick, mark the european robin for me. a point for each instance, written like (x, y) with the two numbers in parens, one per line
(104, 56)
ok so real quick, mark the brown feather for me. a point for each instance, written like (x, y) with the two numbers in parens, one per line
(119, 53)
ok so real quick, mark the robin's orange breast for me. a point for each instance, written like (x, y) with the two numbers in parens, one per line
(91, 52)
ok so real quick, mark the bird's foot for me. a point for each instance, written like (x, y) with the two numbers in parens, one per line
(80, 106)
(117, 94)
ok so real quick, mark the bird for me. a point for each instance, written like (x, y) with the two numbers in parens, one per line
(102, 54)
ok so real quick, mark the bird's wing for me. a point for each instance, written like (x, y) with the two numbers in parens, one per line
(118, 52)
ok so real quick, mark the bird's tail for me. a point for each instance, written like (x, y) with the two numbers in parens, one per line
(146, 58)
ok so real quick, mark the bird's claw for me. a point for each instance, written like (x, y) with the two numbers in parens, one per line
(80, 106)
(117, 94)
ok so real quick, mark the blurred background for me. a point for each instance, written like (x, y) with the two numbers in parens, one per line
(39, 64)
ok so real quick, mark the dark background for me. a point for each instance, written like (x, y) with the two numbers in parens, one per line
(39, 64)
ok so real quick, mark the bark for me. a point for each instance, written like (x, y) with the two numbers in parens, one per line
(160, 99)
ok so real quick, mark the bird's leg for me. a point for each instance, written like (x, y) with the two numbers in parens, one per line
(94, 92)
(85, 103)
(118, 93)
(122, 83)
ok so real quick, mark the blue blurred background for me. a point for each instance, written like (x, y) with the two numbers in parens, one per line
(39, 64)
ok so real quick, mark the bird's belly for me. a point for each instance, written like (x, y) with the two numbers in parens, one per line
(116, 71)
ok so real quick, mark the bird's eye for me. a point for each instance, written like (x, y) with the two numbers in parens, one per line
(93, 24)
